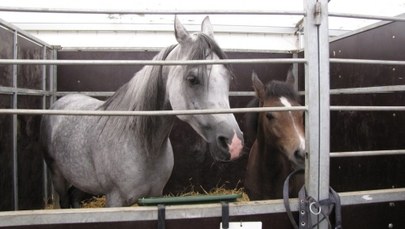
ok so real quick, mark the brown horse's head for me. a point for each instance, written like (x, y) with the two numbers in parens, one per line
(279, 143)
(283, 131)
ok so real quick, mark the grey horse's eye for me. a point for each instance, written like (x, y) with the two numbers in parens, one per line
(193, 80)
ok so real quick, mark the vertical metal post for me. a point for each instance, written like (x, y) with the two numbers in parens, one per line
(14, 123)
(52, 90)
(317, 99)
(44, 96)
(53, 76)
(295, 71)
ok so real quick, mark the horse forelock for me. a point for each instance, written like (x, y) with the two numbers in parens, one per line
(281, 89)
(203, 46)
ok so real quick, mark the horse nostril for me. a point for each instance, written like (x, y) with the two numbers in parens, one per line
(299, 154)
(222, 143)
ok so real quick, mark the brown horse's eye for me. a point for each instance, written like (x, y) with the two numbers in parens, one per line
(193, 80)
(269, 116)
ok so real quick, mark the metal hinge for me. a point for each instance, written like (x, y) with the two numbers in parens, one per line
(318, 13)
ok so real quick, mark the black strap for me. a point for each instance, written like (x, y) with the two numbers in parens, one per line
(308, 205)
(286, 197)
(161, 216)
(225, 215)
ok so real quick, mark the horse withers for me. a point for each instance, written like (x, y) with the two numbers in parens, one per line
(128, 157)
(279, 145)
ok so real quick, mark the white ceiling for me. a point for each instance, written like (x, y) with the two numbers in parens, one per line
(47, 26)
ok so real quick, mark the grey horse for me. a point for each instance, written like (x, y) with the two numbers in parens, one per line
(128, 157)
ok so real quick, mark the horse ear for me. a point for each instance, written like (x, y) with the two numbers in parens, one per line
(290, 77)
(180, 31)
(258, 86)
(206, 27)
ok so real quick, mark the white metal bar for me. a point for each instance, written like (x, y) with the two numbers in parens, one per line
(103, 215)
(110, 93)
(368, 90)
(192, 112)
(192, 62)
(365, 61)
(364, 16)
(367, 108)
(149, 113)
(22, 91)
(23, 33)
(340, 91)
(14, 124)
(109, 11)
(153, 62)
(53, 80)
(44, 168)
(317, 99)
(368, 153)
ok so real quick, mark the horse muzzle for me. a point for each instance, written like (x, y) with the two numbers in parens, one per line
(227, 147)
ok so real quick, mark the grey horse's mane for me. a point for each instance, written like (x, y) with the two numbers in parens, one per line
(145, 91)
(142, 92)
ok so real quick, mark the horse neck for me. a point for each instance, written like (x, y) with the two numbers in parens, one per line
(274, 162)
(145, 91)
(155, 129)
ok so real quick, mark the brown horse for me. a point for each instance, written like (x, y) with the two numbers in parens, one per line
(279, 145)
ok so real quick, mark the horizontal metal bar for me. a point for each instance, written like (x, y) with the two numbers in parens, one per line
(191, 62)
(152, 62)
(24, 34)
(110, 93)
(88, 93)
(368, 153)
(367, 90)
(365, 61)
(363, 16)
(372, 196)
(109, 11)
(150, 113)
(367, 108)
(22, 91)
(102, 215)
(360, 90)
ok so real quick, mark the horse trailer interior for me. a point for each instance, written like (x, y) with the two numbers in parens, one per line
(352, 82)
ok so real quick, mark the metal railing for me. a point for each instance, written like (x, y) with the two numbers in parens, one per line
(261, 207)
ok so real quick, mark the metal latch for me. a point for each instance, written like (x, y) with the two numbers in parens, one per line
(318, 13)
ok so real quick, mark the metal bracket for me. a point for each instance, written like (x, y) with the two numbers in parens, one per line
(318, 13)
(161, 216)
(225, 215)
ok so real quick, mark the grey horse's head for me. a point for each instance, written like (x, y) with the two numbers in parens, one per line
(203, 87)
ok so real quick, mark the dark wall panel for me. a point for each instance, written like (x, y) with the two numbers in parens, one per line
(98, 77)
(30, 166)
(6, 52)
(6, 147)
(368, 130)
